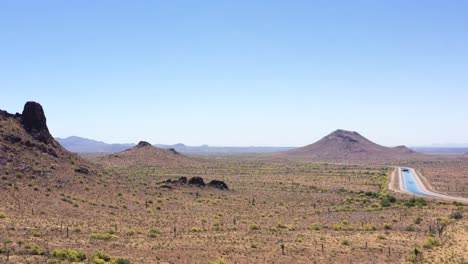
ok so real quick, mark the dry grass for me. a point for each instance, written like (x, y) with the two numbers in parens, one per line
(319, 212)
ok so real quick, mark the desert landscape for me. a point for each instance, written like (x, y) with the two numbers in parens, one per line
(233, 132)
(329, 202)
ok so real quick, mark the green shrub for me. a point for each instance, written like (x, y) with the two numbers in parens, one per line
(369, 227)
(105, 236)
(281, 225)
(69, 254)
(456, 215)
(430, 242)
(381, 237)
(121, 261)
(100, 257)
(315, 226)
(387, 226)
(3, 215)
(344, 242)
(154, 232)
(254, 226)
(218, 261)
(418, 220)
(415, 202)
(35, 250)
(196, 229)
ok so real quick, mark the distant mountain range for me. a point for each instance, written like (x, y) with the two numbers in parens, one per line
(84, 145)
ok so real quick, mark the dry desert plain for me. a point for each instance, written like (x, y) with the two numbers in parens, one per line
(58, 207)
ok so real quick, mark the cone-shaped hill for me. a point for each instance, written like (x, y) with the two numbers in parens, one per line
(350, 146)
(144, 154)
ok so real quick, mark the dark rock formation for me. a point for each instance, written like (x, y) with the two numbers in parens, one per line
(218, 185)
(34, 122)
(82, 170)
(143, 144)
(182, 180)
(197, 181)
(173, 151)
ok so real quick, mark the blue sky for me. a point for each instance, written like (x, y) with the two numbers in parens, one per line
(274, 73)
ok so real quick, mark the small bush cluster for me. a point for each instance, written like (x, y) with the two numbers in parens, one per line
(100, 258)
(3, 215)
(69, 254)
(431, 242)
(154, 232)
(254, 226)
(105, 236)
(415, 202)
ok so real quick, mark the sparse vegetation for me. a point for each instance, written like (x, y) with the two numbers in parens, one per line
(69, 254)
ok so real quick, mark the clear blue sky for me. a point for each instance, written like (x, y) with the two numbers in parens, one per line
(279, 73)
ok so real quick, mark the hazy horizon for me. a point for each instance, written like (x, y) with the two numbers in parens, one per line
(243, 73)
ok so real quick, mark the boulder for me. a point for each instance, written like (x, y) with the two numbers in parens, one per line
(197, 181)
(218, 185)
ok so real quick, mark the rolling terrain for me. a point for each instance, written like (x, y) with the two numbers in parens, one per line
(129, 207)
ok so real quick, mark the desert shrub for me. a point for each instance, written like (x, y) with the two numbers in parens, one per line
(372, 194)
(409, 228)
(415, 202)
(254, 226)
(369, 227)
(3, 215)
(69, 254)
(105, 236)
(381, 237)
(100, 258)
(387, 226)
(218, 261)
(418, 220)
(456, 215)
(35, 250)
(120, 261)
(154, 232)
(196, 229)
(315, 226)
(387, 200)
(413, 256)
(281, 225)
(431, 242)
(344, 242)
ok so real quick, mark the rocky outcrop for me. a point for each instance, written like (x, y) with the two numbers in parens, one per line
(197, 181)
(34, 122)
(142, 144)
(218, 185)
